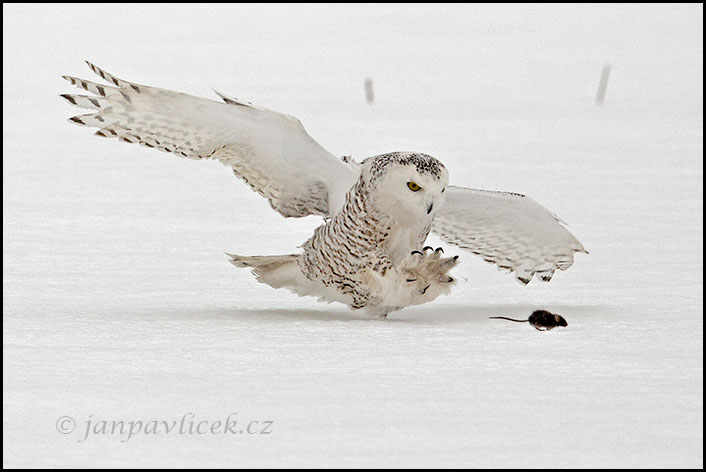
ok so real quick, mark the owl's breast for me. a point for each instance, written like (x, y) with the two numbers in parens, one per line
(404, 239)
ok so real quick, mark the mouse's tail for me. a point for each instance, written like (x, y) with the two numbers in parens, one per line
(509, 319)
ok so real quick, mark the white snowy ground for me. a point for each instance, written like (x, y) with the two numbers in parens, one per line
(119, 304)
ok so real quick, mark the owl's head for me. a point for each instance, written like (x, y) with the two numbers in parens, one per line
(406, 186)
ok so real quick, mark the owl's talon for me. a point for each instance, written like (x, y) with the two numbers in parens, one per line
(427, 247)
(439, 249)
(425, 289)
(417, 252)
(411, 280)
(449, 262)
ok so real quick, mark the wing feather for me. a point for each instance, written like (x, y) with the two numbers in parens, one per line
(270, 151)
(507, 229)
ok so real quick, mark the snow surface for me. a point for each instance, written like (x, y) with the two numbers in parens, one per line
(119, 303)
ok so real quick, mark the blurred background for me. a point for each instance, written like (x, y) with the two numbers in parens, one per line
(119, 301)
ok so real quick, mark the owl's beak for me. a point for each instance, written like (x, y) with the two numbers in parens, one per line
(431, 205)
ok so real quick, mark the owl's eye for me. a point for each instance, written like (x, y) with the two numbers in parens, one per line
(413, 186)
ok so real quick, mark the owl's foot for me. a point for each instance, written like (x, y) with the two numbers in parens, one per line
(420, 278)
(427, 273)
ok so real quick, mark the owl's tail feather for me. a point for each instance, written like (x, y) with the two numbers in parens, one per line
(276, 271)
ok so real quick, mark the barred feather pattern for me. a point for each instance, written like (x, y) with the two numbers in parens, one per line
(361, 252)
(350, 242)
(507, 229)
(197, 128)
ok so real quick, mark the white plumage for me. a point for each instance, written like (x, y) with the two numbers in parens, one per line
(507, 229)
(368, 254)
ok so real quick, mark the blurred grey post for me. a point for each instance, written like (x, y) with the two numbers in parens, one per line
(369, 94)
(603, 85)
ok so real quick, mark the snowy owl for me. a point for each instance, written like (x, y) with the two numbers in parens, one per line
(369, 253)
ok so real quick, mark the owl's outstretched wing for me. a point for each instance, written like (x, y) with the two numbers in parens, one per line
(507, 229)
(270, 151)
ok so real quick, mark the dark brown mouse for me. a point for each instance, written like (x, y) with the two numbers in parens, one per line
(540, 319)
